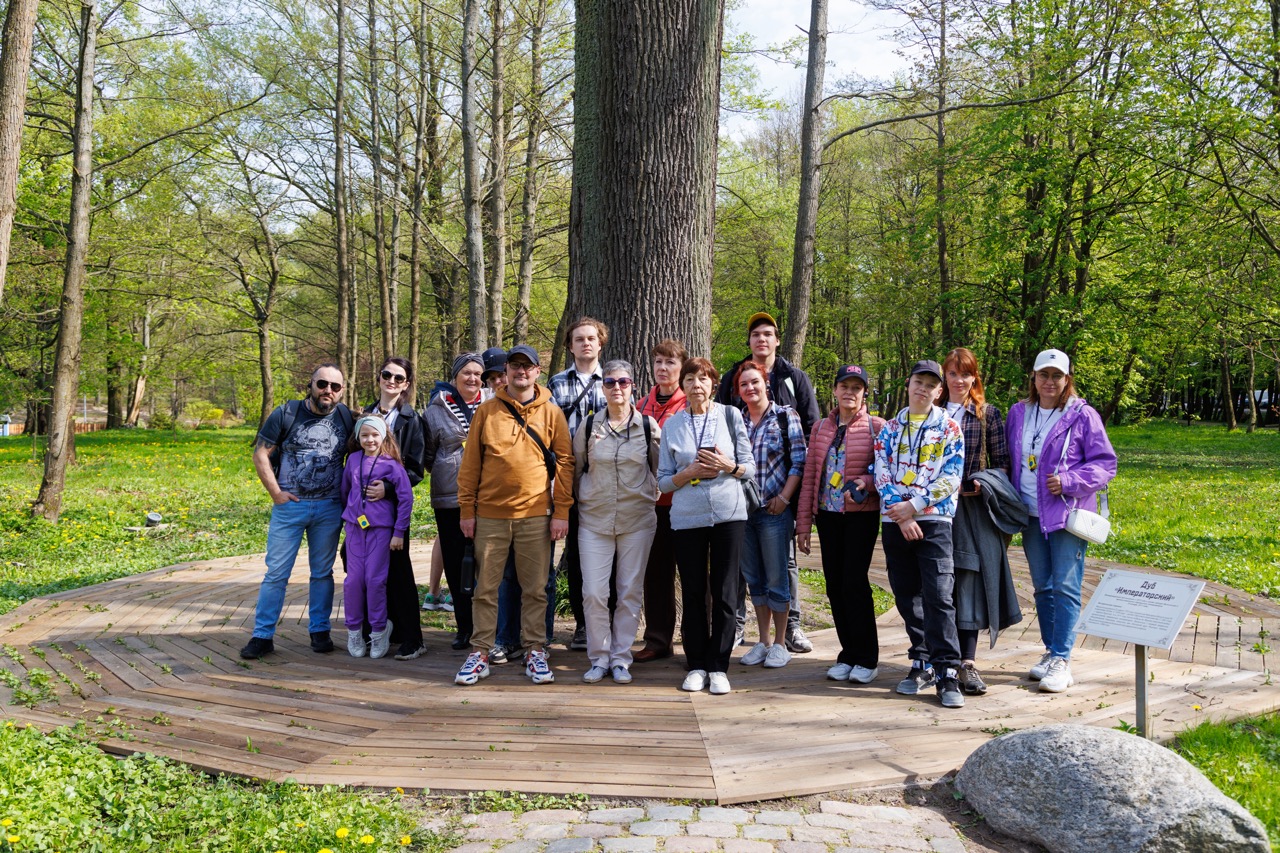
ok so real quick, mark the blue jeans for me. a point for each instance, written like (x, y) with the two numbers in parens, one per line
(321, 521)
(766, 545)
(1057, 570)
(509, 605)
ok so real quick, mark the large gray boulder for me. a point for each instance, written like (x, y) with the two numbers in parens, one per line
(1079, 789)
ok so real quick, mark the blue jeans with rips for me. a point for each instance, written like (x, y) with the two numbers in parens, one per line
(1057, 571)
(321, 522)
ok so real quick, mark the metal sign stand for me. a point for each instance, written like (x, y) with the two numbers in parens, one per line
(1141, 679)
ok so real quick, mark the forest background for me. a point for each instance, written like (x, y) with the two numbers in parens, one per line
(276, 184)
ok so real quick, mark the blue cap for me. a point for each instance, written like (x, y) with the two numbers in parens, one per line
(526, 351)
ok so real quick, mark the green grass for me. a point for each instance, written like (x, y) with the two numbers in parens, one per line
(58, 792)
(202, 482)
(1198, 500)
(1243, 760)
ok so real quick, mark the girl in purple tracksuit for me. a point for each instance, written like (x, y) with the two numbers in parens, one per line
(374, 530)
(1062, 459)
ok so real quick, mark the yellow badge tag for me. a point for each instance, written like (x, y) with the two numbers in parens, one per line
(1031, 462)
(694, 482)
(836, 479)
(908, 478)
(363, 521)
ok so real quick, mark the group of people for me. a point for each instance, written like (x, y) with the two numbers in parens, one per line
(713, 477)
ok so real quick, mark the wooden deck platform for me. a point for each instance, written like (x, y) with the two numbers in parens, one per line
(149, 663)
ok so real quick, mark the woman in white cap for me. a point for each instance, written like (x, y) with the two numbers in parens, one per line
(1063, 458)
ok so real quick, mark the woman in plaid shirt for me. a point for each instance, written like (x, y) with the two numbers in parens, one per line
(986, 446)
(767, 541)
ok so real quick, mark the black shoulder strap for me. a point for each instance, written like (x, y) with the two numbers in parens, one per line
(348, 420)
(288, 417)
(586, 444)
(785, 427)
(548, 457)
(573, 407)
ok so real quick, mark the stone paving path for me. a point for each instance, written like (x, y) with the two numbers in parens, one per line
(837, 827)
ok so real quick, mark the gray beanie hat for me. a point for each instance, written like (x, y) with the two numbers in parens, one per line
(465, 359)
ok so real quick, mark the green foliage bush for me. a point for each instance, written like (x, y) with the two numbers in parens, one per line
(58, 792)
(161, 420)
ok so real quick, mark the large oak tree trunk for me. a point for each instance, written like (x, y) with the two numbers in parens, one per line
(15, 66)
(647, 86)
(66, 371)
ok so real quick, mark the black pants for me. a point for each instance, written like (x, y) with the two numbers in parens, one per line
(922, 576)
(573, 570)
(707, 558)
(452, 543)
(660, 588)
(848, 541)
(402, 599)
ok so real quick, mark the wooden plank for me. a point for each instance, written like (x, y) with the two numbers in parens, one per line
(1255, 641)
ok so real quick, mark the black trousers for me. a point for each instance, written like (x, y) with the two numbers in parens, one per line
(573, 570)
(922, 575)
(708, 560)
(660, 587)
(452, 543)
(848, 542)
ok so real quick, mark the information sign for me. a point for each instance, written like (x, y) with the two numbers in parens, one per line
(1139, 608)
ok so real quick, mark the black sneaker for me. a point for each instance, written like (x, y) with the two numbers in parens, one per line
(971, 680)
(949, 692)
(579, 641)
(321, 642)
(498, 654)
(409, 651)
(257, 647)
(460, 642)
(919, 678)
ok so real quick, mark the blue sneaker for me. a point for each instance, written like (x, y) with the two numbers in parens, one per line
(475, 668)
(536, 667)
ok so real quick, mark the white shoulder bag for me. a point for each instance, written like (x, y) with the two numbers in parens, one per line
(1090, 526)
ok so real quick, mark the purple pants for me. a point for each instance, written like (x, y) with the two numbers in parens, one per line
(364, 592)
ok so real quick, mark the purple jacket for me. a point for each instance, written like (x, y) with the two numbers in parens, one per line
(393, 510)
(1085, 468)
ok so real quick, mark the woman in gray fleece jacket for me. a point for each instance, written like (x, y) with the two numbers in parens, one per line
(704, 456)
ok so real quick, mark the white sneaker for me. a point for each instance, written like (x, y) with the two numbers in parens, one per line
(839, 672)
(1058, 677)
(778, 656)
(719, 683)
(380, 642)
(621, 674)
(1038, 671)
(594, 675)
(356, 646)
(695, 680)
(862, 675)
(755, 655)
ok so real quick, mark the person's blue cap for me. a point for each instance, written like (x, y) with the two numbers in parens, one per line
(526, 351)
(928, 366)
(495, 361)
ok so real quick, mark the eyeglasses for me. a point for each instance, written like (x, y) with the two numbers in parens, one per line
(520, 365)
(326, 385)
(620, 381)
(394, 377)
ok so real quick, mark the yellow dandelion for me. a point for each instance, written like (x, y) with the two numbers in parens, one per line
(12, 839)
(325, 850)
(7, 821)
(300, 824)
(405, 841)
(399, 790)
(1195, 707)
(342, 832)
(366, 839)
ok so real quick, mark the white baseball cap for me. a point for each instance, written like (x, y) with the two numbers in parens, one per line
(1053, 358)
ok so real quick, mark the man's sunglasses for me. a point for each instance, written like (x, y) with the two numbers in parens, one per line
(325, 384)
(394, 377)
(620, 381)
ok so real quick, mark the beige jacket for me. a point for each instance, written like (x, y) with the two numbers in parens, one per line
(617, 493)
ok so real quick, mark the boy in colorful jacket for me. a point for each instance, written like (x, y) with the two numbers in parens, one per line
(918, 469)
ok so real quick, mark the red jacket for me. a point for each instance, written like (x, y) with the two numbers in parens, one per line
(650, 406)
(859, 453)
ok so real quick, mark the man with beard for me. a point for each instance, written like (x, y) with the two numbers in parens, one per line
(299, 458)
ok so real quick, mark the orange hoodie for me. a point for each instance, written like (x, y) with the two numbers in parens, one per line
(503, 474)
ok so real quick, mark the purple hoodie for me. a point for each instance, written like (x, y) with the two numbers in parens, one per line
(393, 510)
(1089, 462)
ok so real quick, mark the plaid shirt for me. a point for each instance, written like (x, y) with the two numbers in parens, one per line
(566, 387)
(997, 441)
(772, 470)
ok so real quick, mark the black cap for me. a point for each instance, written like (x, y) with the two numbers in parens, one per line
(526, 351)
(852, 371)
(495, 361)
(929, 366)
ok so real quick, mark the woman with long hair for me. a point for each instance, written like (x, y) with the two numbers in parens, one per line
(984, 595)
(395, 406)
(1064, 460)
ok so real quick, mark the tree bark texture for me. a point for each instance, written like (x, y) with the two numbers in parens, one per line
(796, 329)
(66, 369)
(15, 67)
(341, 246)
(498, 174)
(379, 217)
(139, 392)
(529, 195)
(646, 115)
(471, 179)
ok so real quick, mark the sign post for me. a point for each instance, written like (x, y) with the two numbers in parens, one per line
(1145, 610)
